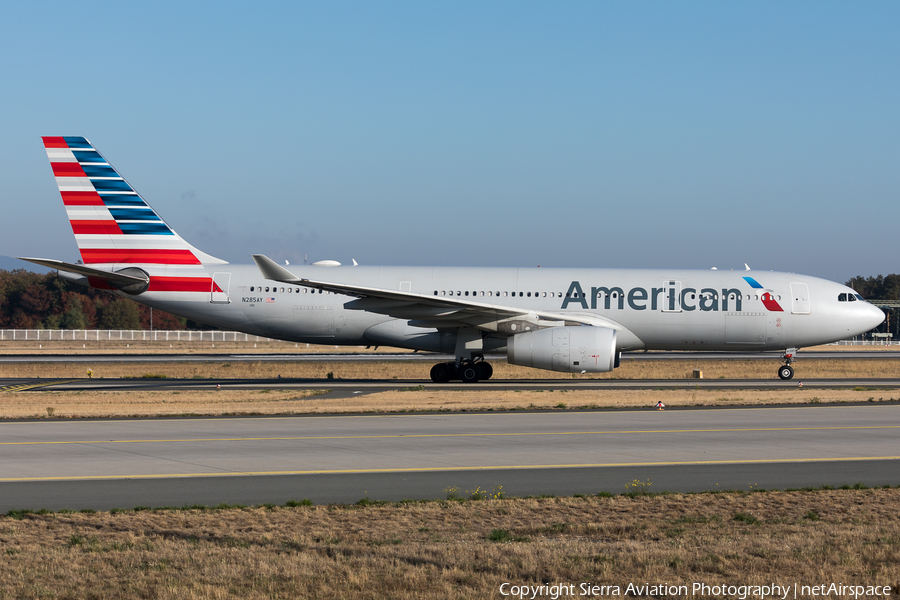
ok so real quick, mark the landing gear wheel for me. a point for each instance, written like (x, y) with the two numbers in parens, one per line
(485, 370)
(785, 371)
(468, 372)
(441, 372)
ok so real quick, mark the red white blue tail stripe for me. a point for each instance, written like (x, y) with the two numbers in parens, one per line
(114, 226)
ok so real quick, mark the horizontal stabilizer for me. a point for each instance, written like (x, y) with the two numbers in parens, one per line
(120, 279)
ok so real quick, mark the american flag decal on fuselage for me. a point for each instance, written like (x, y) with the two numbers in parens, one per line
(114, 226)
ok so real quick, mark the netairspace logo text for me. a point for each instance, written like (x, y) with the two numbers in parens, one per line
(735, 592)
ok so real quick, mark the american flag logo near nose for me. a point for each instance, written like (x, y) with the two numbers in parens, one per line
(767, 298)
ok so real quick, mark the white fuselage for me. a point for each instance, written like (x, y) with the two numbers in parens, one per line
(650, 309)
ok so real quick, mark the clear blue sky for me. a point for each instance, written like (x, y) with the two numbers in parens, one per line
(638, 134)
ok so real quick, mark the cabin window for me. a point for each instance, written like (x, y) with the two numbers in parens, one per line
(267, 288)
(467, 292)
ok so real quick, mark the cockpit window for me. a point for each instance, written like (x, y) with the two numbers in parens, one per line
(842, 297)
(852, 298)
(858, 297)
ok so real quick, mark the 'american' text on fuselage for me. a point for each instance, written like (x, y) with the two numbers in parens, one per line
(637, 298)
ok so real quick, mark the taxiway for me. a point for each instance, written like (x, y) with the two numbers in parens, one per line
(124, 463)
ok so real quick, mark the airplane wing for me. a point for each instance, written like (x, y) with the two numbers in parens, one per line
(423, 310)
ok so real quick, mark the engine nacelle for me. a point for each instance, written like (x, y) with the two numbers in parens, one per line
(566, 349)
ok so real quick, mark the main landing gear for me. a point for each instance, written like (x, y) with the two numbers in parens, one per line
(467, 370)
(786, 371)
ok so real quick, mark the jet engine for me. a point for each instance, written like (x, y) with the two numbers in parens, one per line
(567, 349)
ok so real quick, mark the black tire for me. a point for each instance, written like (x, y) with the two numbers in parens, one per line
(468, 372)
(485, 370)
(785, 372)
(441, 373)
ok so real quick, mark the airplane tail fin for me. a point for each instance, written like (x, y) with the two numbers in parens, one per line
(112, 224)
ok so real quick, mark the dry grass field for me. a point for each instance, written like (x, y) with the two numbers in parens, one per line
(419, 370)
(407, 397)
(457, 549)
(467, 545)
(180, 347)
(211, 402)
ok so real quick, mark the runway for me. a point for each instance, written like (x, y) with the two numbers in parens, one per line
(103, 464)
(350, 387)
(426, 357)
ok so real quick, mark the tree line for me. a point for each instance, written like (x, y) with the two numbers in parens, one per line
(45, 301)
(883, 287)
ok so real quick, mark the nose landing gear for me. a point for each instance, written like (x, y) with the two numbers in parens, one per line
(786, 371)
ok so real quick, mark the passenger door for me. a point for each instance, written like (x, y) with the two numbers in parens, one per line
(799, 299)
(671, 296)
(219, 292)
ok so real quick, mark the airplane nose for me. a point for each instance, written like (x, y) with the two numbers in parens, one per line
(874, 316)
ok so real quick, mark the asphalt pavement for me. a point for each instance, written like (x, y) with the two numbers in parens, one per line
(124, 463)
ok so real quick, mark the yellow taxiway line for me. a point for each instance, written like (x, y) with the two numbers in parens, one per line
(445, 435)
(446, 469)
(22, 387)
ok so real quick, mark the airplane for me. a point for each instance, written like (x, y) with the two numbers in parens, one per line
(566, 320)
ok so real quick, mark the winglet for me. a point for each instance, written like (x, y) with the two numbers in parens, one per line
(272, 270)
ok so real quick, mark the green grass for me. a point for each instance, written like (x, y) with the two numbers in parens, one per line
(505, 536)
(746, 518)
